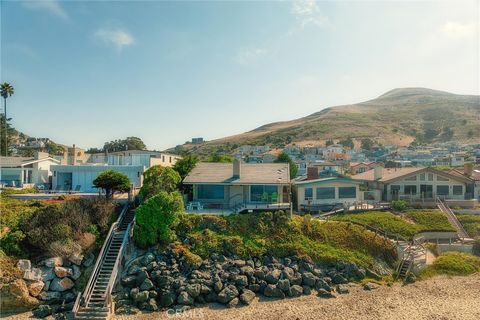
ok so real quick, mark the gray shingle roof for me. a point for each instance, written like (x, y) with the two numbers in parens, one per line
(251, 173)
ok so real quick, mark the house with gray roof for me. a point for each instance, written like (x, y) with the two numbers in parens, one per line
(240, 186)
(27, 171)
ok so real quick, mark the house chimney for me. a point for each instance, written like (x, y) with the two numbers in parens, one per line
(468, 169)
(74, 160)
(377, 172)
(312, 173)
(237, 168)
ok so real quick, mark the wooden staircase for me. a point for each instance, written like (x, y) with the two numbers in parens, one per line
(96, 301)
(452, 218)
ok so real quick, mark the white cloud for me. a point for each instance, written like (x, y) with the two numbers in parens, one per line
(458, 30)
(248, 56)
(117, 37)
(51, 6)
(308, 12)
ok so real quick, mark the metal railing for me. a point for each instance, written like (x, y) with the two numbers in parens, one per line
(83, 299)
(462, 233)
(113, 276)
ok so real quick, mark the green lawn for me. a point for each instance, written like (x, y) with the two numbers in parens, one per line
(471, 223)
(454, 264)
(430, 220)
(417, 221)
(267, 233)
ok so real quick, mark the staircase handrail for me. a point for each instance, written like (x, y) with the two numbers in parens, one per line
(114, 274)
(96, 268)
(451, 217)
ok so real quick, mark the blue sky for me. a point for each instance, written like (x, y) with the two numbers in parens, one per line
(87, 72)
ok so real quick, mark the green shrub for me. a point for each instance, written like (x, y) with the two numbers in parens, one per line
(65, 223)
(454, 264)
(257, 234)
(471, 223)
(155, 217)
(158, 178)
(430, 220)
(420, 221)
(385, 221)
(399, 205)
(11, 243)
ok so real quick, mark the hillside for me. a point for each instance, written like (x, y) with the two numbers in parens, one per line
(399, 117)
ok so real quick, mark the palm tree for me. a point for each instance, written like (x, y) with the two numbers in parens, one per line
(6, 91)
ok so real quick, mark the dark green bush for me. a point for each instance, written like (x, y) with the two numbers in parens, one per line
(399, 205)
(155, 217)
(11, 243)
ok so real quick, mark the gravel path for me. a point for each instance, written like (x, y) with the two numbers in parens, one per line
(438, 298)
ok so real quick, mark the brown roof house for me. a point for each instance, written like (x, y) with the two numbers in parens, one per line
(237, 186)
(420, 183)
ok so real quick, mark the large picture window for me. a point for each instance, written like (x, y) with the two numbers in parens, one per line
(308, 193)
(442, 190)
(214, 192)
(457, 190)
(347, 192)
(263, 193)
(410, 189)
(326, 193)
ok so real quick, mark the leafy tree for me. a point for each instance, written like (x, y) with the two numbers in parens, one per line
(155, 217)
(329, 142)
(94, 150)
(367, 144)
(6, 90)
(129, 143)
(5, 139)
(185, 165)
(112, 181)
(348, 142)
(220, 158)
(55, 149)
(158, 178)
(27, 152)
(284, 158)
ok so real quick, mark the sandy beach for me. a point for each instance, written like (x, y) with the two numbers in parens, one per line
(438, 298)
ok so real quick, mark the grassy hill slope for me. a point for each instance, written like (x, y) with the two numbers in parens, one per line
(399, 117)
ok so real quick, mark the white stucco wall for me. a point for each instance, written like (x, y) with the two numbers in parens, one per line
(84, 175)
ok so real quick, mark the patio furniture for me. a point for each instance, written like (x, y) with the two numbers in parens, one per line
(194, 205)
(56, 189)
(77, 189)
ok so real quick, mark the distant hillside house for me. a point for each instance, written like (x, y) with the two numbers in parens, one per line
(197, 140)
(249, 185)
(416, 184)
(324, 190)
(359, 167)
(27, 171)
